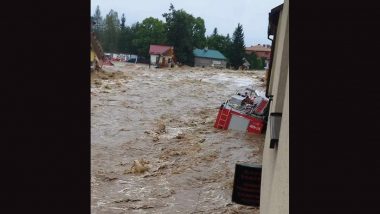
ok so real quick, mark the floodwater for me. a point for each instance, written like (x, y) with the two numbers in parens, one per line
(164, 119)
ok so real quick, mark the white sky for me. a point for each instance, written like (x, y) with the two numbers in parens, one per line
(222, 14)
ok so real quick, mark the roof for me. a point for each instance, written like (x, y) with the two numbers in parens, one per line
(213, 54)
(158, 49)
(257, 48)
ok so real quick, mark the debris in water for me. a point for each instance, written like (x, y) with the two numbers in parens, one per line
(126, 200)
(109, 178)
(145, 206)
(161, 128)
(163, 167)
(180, 136)
(97, 82)
(139, 166)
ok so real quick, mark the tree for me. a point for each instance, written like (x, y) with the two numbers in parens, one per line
(199, 31)
(252, 59)
(184, 32)
(98, 27)
(150, 31)
(123, 37)
(111, 32)
(220, 43)
(217, 42)
(255, 62)
(260, 63)
(226, 48)
(131, 38)
(214, 41)
(215, 32)
(122, 25)
(237, 47)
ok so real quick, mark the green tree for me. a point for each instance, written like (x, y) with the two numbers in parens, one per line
(184, 32)
(199, 31)
(150, 31)
(226, 48)
(98, 27)
(255, 62)
(132, 42)
(220, 43)
(217, 42)
(260, 63)
(111, 32)
(252, 59)
(123, 42)
(122, 24)
(215, 32)
(237, 48)
(214, 41)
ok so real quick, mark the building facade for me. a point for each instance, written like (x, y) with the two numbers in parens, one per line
(161, 55)
(262, 51)
(274, 198)
(209, 58)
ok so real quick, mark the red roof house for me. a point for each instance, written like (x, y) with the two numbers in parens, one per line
(161, 55)
(262, 51)
(159, 49)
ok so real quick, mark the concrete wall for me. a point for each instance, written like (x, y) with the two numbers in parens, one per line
(274, 197)
(208, 62)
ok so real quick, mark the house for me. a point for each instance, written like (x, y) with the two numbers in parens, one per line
(261, 51)
(207, 57)
(274, 193)
(161, 55)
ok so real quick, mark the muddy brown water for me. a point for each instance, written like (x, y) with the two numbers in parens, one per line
(165, 117)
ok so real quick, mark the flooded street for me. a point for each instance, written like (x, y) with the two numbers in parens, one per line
(153, 145)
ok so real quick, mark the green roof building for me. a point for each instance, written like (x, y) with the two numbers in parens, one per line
(209, 58)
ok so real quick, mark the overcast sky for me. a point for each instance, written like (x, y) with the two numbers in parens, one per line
(222, 14)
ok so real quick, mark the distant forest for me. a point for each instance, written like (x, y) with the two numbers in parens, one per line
(180, 29)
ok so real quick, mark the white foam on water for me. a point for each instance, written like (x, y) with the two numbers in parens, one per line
(233, 81)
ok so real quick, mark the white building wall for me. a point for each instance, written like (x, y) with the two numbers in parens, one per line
(153, 59)
(274, 197)
(279, 197)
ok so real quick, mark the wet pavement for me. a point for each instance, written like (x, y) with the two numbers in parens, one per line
(163, 119)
